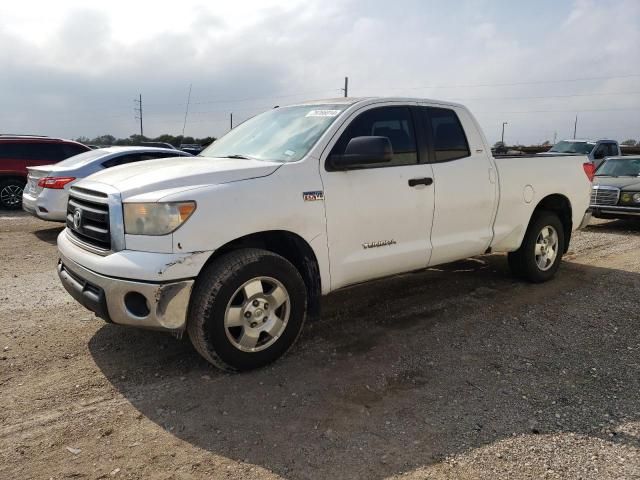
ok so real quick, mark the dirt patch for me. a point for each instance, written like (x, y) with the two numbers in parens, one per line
(456, 372)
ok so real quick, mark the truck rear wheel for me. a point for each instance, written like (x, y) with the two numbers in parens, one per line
(538, 258)
(247, 309)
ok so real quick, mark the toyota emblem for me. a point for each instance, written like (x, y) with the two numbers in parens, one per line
(77, 219)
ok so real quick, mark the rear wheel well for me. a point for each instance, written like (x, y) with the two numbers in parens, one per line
(290, 246)
(561, 206)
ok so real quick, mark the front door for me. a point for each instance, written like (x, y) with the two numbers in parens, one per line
(378, 217)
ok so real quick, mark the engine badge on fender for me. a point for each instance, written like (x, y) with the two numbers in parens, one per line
(313, 196)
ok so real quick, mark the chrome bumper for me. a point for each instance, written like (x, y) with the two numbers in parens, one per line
(166, 303)
(614, 210)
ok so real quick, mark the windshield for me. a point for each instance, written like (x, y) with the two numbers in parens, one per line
(82, 158)
(620, 167)
(573, 147)
(280, 135)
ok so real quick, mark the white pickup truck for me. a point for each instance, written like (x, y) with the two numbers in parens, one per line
(236, 246)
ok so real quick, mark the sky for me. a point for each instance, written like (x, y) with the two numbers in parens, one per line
(73, 68)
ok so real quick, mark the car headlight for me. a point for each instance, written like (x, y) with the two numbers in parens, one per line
(636, 197)
(156, 218)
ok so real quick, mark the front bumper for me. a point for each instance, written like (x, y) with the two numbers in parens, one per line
(112, 298)
(614, 211)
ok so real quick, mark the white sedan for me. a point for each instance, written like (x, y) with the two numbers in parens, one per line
(47, 191)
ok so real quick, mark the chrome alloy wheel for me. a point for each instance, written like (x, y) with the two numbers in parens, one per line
(546, 248)
(257, 314)
(11, 195)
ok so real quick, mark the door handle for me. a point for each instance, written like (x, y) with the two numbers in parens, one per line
(420, 181)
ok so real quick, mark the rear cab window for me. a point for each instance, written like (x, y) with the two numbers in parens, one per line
(445, 133)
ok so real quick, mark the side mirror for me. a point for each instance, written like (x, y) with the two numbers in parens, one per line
(363, 151)
(599, 155)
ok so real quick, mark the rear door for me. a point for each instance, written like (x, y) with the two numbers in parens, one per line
(14, 158)
(465, 184)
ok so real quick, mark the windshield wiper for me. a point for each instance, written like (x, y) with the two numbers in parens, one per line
(238, 156)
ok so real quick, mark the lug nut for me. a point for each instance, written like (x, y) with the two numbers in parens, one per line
(266, 306)
(254, 324)
(247, 314)
(256, 303)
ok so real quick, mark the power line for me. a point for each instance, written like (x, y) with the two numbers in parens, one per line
(531, 82)
(248, 99)
(567, 111)
(548, 96)
(267, 106)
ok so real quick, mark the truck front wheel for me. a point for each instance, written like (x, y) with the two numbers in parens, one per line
(247, 309)
(538, 258)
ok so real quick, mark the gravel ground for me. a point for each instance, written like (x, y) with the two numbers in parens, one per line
(459, 372)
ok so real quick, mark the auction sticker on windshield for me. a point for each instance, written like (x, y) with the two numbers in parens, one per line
(323, 113)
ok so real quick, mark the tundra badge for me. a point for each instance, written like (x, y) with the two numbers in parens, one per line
(378, 243)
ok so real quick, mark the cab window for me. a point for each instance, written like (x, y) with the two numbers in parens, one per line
(395, 123)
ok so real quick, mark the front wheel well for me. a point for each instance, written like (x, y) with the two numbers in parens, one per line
(290, 246)
(561, 206)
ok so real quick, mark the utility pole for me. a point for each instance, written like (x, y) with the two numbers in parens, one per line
(186, 112)
(138, 111)
(575, 127)
(231, 121)
(555, 135)
(503, 124)
(346, 87)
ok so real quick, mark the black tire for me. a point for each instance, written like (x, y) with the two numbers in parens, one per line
(11, 194)
(523, 262)
(218, 284)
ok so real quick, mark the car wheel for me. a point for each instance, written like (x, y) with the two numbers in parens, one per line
(11, 194)
(247, 309)
(538, 258)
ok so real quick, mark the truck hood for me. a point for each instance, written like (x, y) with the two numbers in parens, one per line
(180, 173)
(623, 183)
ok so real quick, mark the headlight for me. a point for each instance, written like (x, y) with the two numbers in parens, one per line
(156, 218)
(636, 197)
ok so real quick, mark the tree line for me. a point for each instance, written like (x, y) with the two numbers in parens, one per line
(175, 140)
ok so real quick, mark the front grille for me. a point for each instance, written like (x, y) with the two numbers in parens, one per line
(91, 224)
(604, 195)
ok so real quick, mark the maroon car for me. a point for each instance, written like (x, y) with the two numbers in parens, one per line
(17, 152)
